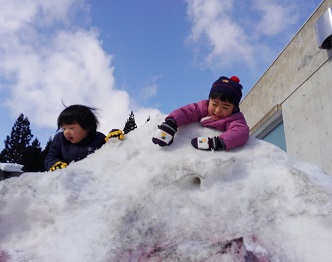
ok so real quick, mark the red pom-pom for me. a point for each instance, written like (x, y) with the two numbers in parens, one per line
(235, 79)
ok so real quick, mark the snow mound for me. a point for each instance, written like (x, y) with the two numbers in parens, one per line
(134, 201)
(9, 167)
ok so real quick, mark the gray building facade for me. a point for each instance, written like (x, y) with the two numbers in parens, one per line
(291, 104)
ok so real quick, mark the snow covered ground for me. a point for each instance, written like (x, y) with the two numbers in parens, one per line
(135, 201)
(9, 167)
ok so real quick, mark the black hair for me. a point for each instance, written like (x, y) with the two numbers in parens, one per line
(79, 114)
(225, 98)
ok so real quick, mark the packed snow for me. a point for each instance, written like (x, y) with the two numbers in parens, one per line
(135, 201)
(10, 167)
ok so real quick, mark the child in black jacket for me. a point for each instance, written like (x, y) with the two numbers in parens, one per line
(78, 138)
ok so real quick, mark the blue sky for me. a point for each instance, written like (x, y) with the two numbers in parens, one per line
(148, 56)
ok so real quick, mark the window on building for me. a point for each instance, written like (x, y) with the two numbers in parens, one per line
(271, 128)
(277, 136)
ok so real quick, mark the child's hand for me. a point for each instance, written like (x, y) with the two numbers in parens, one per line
(58, 165)
(115, 133)
(208, 143)
(165, 133)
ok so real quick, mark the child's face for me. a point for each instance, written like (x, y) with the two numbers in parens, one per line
(218, 109)
(74, 133)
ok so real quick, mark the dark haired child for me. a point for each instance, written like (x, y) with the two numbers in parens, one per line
(221, 111)
(78, 138)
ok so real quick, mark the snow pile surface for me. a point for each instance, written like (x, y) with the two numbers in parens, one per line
(135, 201)
(9, 167)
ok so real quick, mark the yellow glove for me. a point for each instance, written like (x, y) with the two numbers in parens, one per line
(58, 165)
(115, 133)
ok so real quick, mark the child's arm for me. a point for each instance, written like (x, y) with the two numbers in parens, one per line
(190, 113)
(208, 143)
(165, 133)
(58, 165)
(115, 133)
(236, 134)
(53, 159)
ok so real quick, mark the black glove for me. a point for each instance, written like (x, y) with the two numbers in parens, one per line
(165, 133)
(208, 143)
(58, 165)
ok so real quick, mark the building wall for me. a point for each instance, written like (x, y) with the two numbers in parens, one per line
(300, 80)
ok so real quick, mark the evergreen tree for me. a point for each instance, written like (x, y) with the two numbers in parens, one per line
(46, 149)
(31, 158)
(34, 158)
(130, 124)
(19, 150)
(18, 141)
(45, 152)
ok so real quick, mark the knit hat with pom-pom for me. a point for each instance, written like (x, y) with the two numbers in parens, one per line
(229, 86)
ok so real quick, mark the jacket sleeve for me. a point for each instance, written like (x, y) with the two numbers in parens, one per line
(98, 141)
(236, 134)
(54, 153)
(189, 113)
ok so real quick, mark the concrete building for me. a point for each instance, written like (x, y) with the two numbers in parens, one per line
(291, 104)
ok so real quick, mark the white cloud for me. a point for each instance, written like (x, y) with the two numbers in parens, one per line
(229, 34)
(60, 63)
(13, 18)
(150, 89)
(275, 17)
(214, 29)
(20, 14)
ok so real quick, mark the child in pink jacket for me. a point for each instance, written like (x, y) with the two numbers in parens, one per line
(221, 111)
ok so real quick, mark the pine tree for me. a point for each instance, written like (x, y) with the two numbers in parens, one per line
(45, 152)
(19, 150)
(34, 158)
(47, 148)
(18, 141)
(130, 124)
(31, 158)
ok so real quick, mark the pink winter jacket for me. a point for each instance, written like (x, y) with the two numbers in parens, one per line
(235, 126)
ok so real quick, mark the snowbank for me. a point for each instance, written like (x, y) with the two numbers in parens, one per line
(135, 201)
(9, 167)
